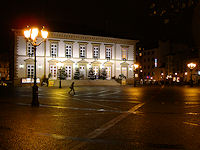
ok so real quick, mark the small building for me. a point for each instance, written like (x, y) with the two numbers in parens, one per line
(74, 51)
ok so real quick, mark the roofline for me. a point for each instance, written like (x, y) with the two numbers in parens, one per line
(83, 37)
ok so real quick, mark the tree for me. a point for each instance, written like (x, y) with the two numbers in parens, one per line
(103, 74)
(91, 75)
(61, 74)
(77, 74)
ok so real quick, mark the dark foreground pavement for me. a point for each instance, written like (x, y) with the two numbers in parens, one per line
(101, 118)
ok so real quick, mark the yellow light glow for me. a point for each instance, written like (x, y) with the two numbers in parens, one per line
(27, 33)
(44, 34)
(34, 33)
(191, 65)
(135, 66)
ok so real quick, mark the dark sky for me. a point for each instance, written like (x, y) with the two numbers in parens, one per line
(124, 19)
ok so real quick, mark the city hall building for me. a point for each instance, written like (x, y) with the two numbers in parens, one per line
(74, 51)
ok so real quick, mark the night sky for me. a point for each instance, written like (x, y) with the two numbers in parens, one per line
(123, 19)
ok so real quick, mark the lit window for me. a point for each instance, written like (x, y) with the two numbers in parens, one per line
(30, 49)
(96, 52)
(124, 53)
(108, 52)
(53, 71)
(68, 71)
(30, 70)
(68, 50)
(54, 48)
(96, 70)
(82, 51)
(156, 62)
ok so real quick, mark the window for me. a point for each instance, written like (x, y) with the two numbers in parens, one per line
(96, 52)
(82, 71)
(156, 62)
(124, 71)
(53, 71)
(68, 52)
(124, 53)
(30, 70)
(54, 49)
(96, 71)
(82, 51)
(108, 52)
(108, 72)
(30, 50)
(68, 71)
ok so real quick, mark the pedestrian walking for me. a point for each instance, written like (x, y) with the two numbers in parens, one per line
(72, 88)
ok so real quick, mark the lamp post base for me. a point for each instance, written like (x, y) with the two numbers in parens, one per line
(35, 102)
(60, 84)
(191, 83)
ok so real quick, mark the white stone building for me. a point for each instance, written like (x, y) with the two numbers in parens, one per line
(74, 51)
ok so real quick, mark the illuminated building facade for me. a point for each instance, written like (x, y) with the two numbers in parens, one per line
(84, 52)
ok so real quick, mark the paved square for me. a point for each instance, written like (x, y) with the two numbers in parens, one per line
(113, 117)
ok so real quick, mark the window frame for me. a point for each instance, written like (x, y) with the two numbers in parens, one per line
(53, 75)
(56, 51)
(109, 52)
(30, 73)
(96, 52)
(30, 49)
(81, 52)
(69, 50)
(124, 52)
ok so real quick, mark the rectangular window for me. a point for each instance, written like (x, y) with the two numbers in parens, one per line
(30, 70)
(124, 71)
(68, 52)
(96, 71)
(53, 71)
(124, 53)
(68, 71)
(30, 50)
(82, 51)
(82, 71)
(54, 49)
(96, 52)
(156, 62)
(108, 52)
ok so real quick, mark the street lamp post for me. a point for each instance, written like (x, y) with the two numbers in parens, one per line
(31, 35)
(135, 66)
(191, 66)
(60, 65)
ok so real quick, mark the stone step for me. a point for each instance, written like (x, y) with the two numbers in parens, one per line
(86, 83)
